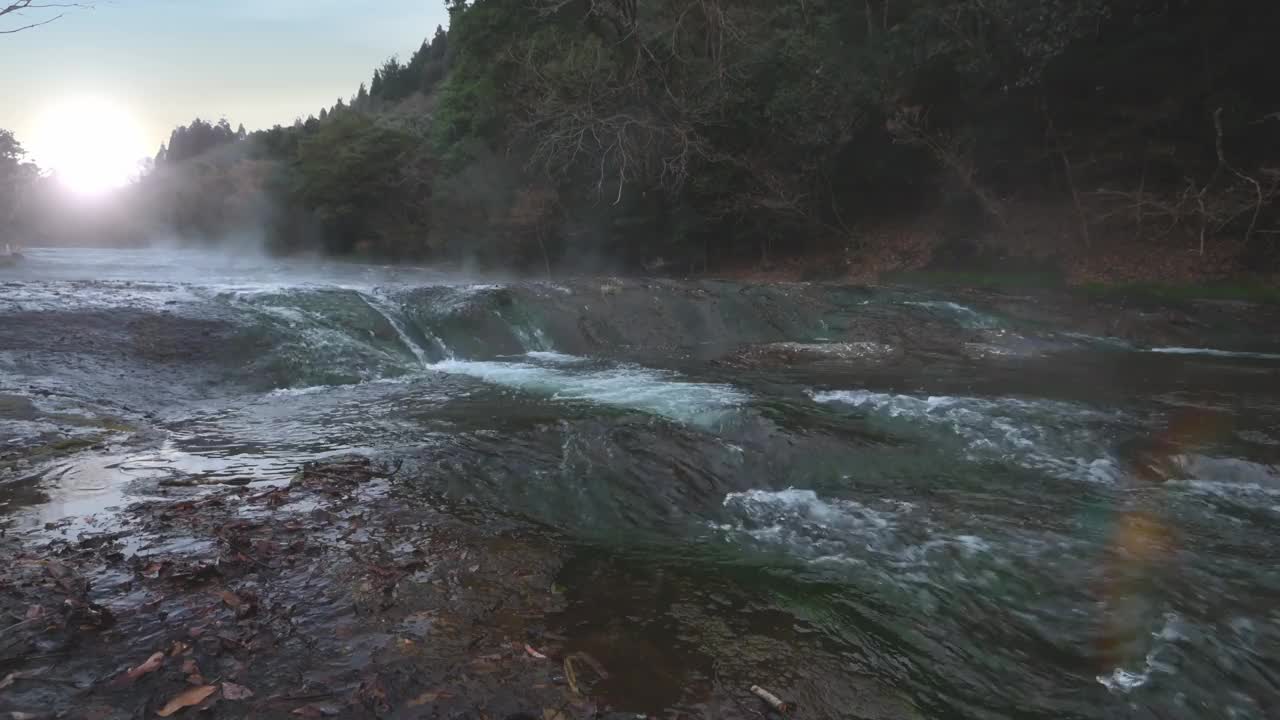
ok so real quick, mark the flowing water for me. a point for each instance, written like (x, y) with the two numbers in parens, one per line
(898, 503)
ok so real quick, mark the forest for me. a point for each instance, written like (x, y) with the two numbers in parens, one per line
(1109, 139)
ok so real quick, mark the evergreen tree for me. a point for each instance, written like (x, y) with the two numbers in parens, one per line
(439, 44)
(15, 177)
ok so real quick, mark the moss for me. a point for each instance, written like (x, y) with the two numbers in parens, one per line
(970, 279)
(54, 449)
(1246, 292)
(69, 445)
(64, 446)
(1256, 292)
(16, 407)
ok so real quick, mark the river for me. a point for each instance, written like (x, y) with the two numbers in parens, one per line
(902, 502)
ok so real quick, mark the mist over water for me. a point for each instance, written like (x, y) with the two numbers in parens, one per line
(976, 513)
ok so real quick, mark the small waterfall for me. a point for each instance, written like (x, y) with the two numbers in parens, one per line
(378, 306)
(530, 336)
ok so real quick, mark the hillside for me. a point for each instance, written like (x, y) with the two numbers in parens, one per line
(1109, 139)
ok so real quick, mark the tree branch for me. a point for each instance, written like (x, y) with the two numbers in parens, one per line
(18, 7)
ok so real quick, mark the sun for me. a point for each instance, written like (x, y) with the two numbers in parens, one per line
(91, 144)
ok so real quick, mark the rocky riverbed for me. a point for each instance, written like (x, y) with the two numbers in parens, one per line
(261, 488)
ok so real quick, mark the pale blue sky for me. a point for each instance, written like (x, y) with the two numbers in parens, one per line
(257, 62)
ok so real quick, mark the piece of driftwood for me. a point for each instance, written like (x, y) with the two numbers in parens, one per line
(771, 700)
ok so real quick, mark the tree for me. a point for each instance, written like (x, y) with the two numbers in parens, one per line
(367, 183)
(16, 176)
(20, 10)
(11, 152)
(190, 141)
(439, 44)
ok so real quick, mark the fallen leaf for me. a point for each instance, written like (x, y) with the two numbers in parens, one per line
(189, 667)
(153, 663)
(178, 648)
(56, 569)
(595, 664)
(98, 712)
(232, 600)
(315, 711)
(432, 696)
(232, 691)
(553, 714)
(374, 694)
(570, 676)
(428, 697)
(534, 653)
(187, 698)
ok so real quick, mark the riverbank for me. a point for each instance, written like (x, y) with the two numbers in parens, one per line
(1036, 253)
(323, 597)
(339, 594)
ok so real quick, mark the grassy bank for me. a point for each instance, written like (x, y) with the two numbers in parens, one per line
(1244, 291)
(1256, 292)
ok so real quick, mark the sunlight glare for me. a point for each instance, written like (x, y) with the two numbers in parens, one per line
(91, 144)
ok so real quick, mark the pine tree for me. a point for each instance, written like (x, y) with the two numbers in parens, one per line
(11, 151)
(439, 44)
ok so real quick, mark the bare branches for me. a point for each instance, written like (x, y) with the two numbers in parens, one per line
(1206, 213)
(20, 8)
(606, 105)
(1222, 163)
(910, 125)
(641, 102)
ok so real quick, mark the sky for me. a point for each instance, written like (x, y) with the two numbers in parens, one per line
(156, 64)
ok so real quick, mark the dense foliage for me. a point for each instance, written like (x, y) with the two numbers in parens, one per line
(16, 176)
(702, 134)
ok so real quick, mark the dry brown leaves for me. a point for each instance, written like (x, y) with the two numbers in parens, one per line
(153, 663)
(187, 698)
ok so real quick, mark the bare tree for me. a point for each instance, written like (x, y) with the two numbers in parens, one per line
(910, 126)
(22, 12)
(1203, 207)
